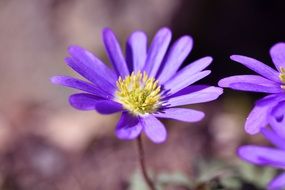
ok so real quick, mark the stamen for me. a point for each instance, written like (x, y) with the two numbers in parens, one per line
(282, 77)
(138, 93)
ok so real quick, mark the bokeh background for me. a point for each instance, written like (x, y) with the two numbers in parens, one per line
(47, 145)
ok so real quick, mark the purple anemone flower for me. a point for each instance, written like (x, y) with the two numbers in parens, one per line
(144, 85)
(270, 109)
(268, 156)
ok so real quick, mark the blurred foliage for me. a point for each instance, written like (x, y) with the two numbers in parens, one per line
(210, 175)
(162, 181)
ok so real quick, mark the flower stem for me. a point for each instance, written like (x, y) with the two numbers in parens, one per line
(142, 164)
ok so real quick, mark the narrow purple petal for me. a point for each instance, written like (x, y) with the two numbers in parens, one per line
(257, 66)
(278, 183)
(157, 51)
(277, 118)
(279, 97)
(89, 73)
(182, 114)
(262, 155)
(136, 51)
(177, 54)
(192, 68)
(188, 90)
(87, 60)
(83, 101)
(128, 127)
(204, 95)
(154, 129)
(182, 80)
(115, 53)
(80, 85)
(256, 87)
(108, 107)
(258, 117)
(273, 137)
(251, 79)
(277, 53)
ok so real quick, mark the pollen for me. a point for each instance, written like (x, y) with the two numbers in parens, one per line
(139, 93)
(282, 77)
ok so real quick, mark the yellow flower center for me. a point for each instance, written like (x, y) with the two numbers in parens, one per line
(138, 93)
(282, 77)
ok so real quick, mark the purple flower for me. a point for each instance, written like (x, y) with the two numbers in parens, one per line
(144, 86)
(268, 109)
(268, 156)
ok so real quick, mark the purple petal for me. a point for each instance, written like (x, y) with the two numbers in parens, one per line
(83, 101)
(86, 60)
(154, 129)
(80, 85)
(108, 107)
(192, 68)
(262, 155)
(181, 114)
(128, 127)
(136, 51)
(257, 66)
(203, 95)
(274, 138)
(277, 53)
(115, 53)
(277, 118)
(177, 54)
(272, 98)
(256, 88)
(182, 80)
(278, 183)
(251, 79)
(258, 117)
(188, 90)
(91, 75)
(157, 51)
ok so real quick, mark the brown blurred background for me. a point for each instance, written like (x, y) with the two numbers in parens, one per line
(45, 144)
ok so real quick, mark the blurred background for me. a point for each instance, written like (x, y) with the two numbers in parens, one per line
(47, 145)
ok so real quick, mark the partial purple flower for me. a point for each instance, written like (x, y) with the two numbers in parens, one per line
(269, 81)
(268, 156)
(144, 85)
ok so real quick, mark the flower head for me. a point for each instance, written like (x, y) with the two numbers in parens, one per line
(268, 156)
(144, 85)
(270, 81)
